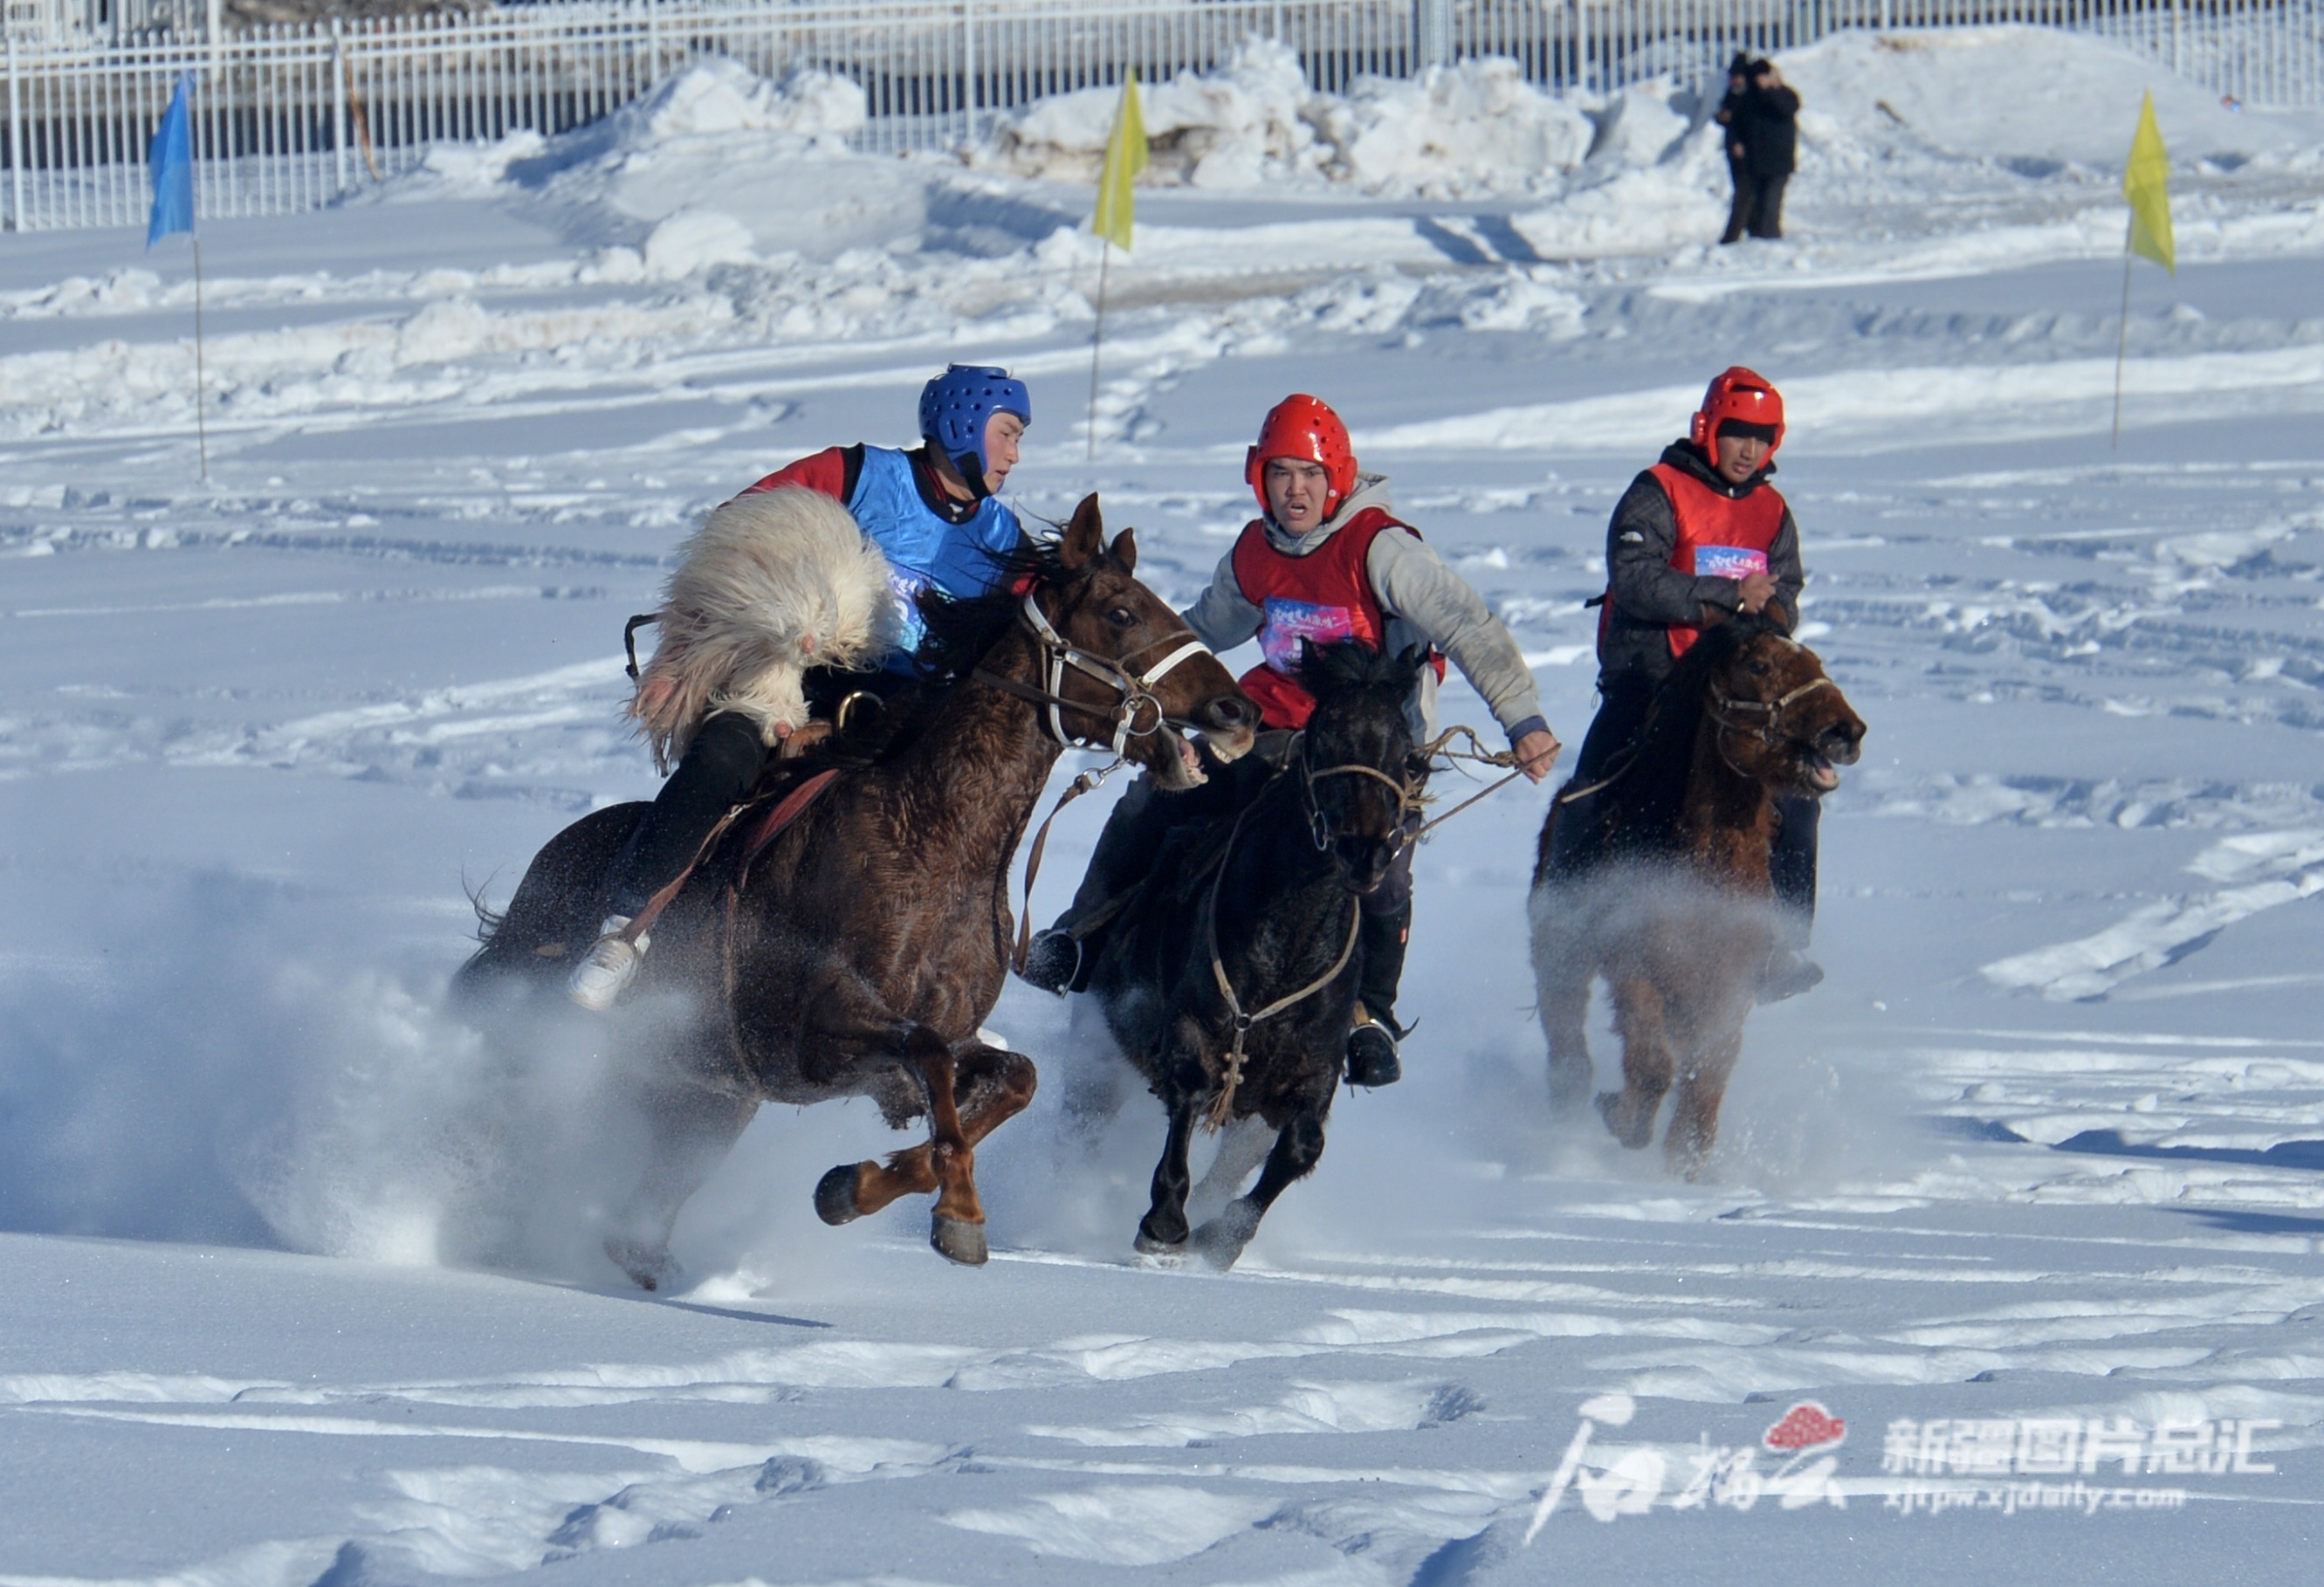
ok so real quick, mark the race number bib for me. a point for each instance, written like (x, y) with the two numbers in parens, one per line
(1288, 622)
(1733, 562)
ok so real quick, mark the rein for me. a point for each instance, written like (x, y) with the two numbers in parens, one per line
(1222, 1107)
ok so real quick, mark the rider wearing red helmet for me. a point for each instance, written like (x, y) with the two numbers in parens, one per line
(1326, 561)
(1702, 532)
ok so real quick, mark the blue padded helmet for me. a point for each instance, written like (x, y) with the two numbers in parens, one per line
(956, 406)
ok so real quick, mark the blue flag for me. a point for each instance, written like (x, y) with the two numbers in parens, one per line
(172, 160)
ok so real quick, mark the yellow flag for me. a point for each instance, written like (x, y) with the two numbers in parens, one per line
(1125, 157)
(2146, 183)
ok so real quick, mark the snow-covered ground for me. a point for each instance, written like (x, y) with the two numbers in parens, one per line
(304, 1287)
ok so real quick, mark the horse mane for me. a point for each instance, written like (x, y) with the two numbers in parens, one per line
(961, 628)
(1644, 812)
(1347, 665)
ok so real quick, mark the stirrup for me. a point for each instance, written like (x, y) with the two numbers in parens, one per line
(1053, 961)
(609, 966)
(1372, 1057)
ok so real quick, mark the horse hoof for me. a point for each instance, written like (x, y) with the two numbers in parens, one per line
(1633, 1136)
(1146, 1245)
(1221, 1240)
(834, 1196)
(647, 1267)
(959, 1242)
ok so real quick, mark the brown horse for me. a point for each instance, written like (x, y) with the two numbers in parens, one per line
(859, 952)
(1664, 888)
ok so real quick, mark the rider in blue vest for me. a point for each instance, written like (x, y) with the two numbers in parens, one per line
(935, 513)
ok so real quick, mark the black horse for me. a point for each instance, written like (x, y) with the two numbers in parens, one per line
(1231, 981)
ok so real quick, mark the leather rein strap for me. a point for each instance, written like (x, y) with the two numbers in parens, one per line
(1222, 1107)
(787, 810)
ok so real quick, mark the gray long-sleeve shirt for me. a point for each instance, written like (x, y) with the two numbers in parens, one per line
(1426, 601)
(1648, 596)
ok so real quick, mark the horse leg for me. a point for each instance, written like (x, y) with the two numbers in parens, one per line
(1001, 1083)
(1562, 972)
(1694, 1112)
(949, 1169)
(690, 1130)
(1162, 1232)
(1298, 1147)
(1643, 1023)
(1243, 1145)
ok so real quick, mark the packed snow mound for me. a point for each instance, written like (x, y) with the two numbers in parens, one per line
(1477, 127)
(2033, 98)
(1477, 124)
(1232, 128)
(717, 95)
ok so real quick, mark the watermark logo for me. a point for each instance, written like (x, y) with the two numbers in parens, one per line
(2004, 1465)
(1807, 1425)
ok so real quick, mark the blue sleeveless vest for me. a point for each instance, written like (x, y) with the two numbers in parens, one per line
(963, 559)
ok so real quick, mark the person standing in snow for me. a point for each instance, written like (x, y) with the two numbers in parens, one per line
(1325, 561)
(1729, 117)
(1765, 127)
(1700, 534)
(934, 516)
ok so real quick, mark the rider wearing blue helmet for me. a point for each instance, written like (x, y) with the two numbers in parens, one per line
(935, 513)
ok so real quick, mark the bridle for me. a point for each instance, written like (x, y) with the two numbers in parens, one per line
(1133, 691)
(1319, 826)
(1725, 709)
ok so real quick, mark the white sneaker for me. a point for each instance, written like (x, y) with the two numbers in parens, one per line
(609, 966)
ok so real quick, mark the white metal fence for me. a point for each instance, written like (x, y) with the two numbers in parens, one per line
(287, 118)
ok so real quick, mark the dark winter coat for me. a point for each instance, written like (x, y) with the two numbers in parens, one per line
(1731, 122)
(1767, 126)
(1648, 595)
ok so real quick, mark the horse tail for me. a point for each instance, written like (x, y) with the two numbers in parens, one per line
(772, 584)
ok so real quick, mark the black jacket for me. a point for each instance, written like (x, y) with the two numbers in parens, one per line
(1647, 595)
(1730, 122)
(1766, 124)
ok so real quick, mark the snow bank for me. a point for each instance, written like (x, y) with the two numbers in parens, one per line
(1476, 127)
(2033, 98)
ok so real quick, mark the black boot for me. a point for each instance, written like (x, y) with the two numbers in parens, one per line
(1054, 960)
(1372, 1055)
(1792, 867)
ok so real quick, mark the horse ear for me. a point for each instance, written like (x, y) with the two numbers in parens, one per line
(1713, 617)
(1306, 653)
(1125, 549)
(1413, 659)
(1084, 538)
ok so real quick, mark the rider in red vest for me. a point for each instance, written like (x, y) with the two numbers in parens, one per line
(1703, 531)
(1327, 560)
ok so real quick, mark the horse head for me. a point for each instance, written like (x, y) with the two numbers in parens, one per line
(1123, 670)
(1359, 779)
(1780, 720)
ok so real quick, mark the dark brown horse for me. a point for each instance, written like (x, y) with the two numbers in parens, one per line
(1231, 983)
(858, 954)
(1665, 890)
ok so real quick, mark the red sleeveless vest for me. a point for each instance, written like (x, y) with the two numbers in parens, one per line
(1719, 535)
(1325, 596)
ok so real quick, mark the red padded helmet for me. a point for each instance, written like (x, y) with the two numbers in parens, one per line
(1306, 428)
(1742, 395)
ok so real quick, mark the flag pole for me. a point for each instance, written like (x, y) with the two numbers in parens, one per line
(1097, 342)
(201, 382)
(2122, 341)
